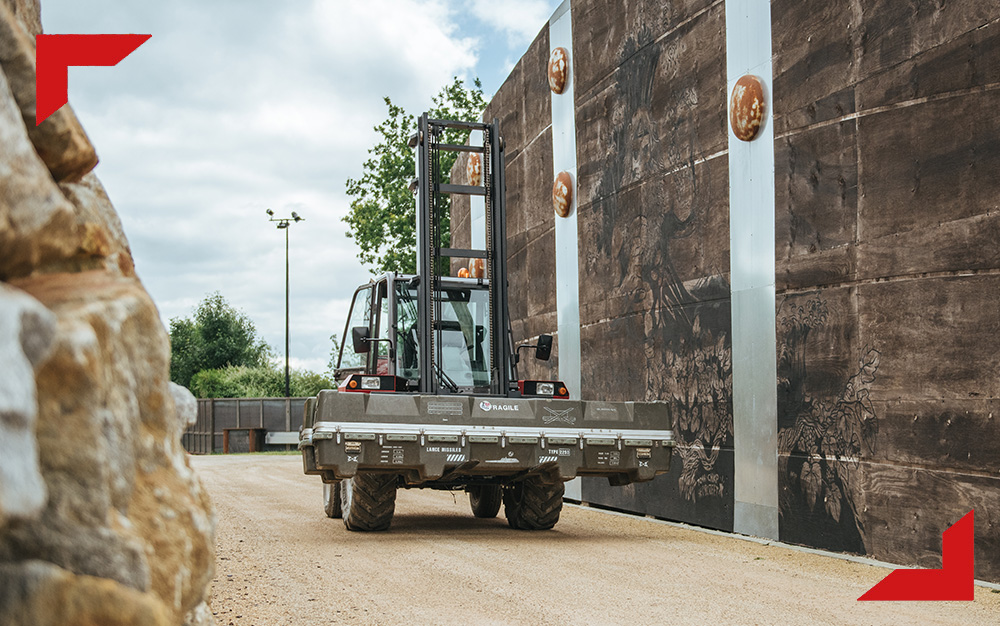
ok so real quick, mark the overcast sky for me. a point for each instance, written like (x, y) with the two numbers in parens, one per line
(237, 106)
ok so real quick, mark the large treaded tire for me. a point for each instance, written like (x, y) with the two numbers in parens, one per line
(331, 500)
(485, 500)
(368, 501)
(533, 505)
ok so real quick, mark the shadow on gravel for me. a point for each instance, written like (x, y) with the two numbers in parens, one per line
(427, 526)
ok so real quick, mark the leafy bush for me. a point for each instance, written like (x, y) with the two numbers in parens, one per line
(264, 381)
(217, 337)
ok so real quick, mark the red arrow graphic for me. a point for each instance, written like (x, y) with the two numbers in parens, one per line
(55, 53)
(954, 581)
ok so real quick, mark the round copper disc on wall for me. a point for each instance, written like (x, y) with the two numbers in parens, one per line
(474, 170)
(558, 70)
(746, 107)
(562, 194)
(476, 268)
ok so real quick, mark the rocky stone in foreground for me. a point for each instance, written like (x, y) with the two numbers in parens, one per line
(102, 520)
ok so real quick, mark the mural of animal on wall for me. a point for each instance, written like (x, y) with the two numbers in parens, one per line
(821, 439)
(687, 339)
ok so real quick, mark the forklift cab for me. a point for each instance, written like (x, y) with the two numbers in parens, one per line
(384, 329)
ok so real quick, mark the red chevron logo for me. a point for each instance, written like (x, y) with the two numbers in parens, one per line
(55, 53)
(954, 581)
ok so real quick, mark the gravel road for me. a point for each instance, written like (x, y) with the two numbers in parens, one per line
(280, 560)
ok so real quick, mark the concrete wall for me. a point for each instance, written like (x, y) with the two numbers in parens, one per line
(886, 257)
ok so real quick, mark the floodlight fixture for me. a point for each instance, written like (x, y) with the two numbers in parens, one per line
(282, 223)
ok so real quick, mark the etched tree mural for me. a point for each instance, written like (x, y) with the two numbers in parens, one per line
(820, 448)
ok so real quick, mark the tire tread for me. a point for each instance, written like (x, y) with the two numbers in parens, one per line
(373, 502)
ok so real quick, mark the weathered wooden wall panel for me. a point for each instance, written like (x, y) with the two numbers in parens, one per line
(887, 246)
(508, 107)
(616, 368)
(822, 503)
(660, 109)
(708, 503)
(601, 32)
(683, 362)
(816, 206)
(611, 257)
(943, 334)
(969, 61)
(908, 506)
(825, 421)
(958, 434)
(536, 185)
(641, 248)
(814, 62)
(654, 238)
(534, 89)
(893, 32)
(928, 164)
(938, 452)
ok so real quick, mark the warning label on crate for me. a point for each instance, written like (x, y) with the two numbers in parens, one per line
(613, 457)
(392, 454)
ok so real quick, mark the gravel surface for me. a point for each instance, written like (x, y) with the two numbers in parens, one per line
(280, 560)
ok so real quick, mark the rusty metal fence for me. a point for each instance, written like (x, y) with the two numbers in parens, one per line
(242, 419)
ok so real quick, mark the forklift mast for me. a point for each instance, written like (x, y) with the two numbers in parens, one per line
(430, 253)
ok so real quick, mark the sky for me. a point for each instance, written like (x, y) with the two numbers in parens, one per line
(234, 107)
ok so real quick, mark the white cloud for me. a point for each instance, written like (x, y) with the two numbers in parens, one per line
(235, 106)
(520, 19)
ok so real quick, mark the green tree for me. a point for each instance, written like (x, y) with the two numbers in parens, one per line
(382, 218)
(217, 336)
(351, 358)
(261, 381)
(305, 383)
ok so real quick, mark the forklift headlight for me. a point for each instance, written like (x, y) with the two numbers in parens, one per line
(546, 389)
(371, 382)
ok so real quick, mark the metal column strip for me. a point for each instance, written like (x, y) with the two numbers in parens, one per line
(566, 234)
(751, 231)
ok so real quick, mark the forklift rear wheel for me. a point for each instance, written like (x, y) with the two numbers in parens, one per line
(331, 500)
(532, 504)
(485, 500)
(368, 501)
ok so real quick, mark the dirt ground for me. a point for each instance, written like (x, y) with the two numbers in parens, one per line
(280, 560)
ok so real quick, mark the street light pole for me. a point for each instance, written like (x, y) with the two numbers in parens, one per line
(284, 223)
(288, 393)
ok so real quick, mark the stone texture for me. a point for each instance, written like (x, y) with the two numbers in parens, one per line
(45, 226)
(36, 221)
(102, 521)
(108, 435)
(100, 237)
(60, 140)
(28, 13)
(201, 615)
(35, 593)
(26, 332)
